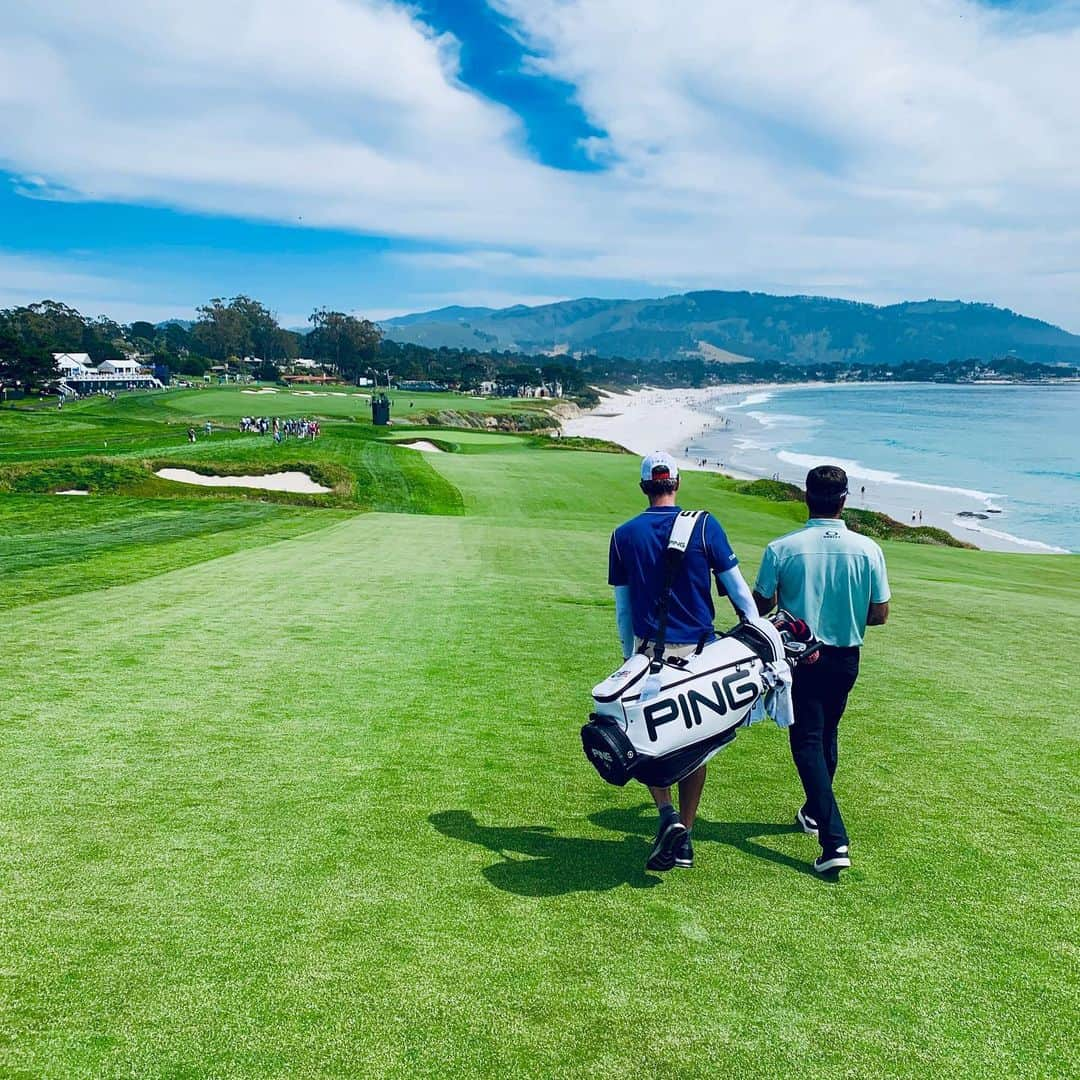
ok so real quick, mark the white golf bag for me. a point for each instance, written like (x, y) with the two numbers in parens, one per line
(658, 718)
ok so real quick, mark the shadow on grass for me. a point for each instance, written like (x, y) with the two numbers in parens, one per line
(536, 861)
(741, 835)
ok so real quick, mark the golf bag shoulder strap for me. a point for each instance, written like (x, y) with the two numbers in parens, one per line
(682, 531)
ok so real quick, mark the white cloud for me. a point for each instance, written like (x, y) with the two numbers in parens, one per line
(884, 150)
(26, 279)
(906, 146)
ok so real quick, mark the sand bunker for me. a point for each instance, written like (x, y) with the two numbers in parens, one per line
(72, 491)
(261, 390)
(296, 482)
(422, 444)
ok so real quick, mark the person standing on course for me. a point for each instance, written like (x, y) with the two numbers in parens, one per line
(835, 580)
(636, 572)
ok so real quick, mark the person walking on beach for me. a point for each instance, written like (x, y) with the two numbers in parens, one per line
(636, 572)
(835, 580)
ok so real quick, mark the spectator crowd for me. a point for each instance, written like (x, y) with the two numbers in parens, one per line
(301, 428)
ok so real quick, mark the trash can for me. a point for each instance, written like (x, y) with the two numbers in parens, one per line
(380, 410)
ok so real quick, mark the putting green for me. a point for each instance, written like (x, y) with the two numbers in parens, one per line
(318, 807)
(469, 439)
(232, 402)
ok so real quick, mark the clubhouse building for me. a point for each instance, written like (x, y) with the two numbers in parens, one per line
(79, 375)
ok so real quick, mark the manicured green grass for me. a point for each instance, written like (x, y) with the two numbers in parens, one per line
(115, 447)
(317, 807)
(385, 477)
(132, 424)
(54, 546)
(405, 403)
(229, 403)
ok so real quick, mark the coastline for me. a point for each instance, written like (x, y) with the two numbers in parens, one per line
(702, 428)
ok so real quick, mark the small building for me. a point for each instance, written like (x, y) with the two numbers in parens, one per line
(73, 364)
(79, 376)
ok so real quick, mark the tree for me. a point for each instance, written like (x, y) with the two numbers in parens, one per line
(47, 325)
(28, 338)
(239, 327)
(190, 364)
(103, 339)
(25, 368)
(221, 330)
(267, 371)
(263, 332)
(343, 341)
(177, 338)
(142, 333)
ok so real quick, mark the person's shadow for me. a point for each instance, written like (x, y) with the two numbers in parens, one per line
(537, 861)
(741, 835)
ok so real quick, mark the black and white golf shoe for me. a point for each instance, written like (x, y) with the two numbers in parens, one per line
(837, 859)
(806, 822)
(684, 854)
(669, 837)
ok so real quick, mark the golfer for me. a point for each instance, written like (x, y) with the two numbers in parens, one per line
(636, 571)
(834, 579)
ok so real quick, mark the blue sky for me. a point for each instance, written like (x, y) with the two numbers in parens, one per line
(380, 157)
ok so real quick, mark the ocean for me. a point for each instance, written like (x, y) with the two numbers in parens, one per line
(998, 462)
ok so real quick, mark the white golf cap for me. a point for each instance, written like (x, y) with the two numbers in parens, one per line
(659, 465)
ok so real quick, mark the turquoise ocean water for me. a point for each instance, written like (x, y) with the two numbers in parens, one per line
(1010, 454)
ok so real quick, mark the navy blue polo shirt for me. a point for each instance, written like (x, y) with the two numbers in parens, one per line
(635, 558)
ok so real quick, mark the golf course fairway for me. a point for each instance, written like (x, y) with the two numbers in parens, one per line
(295, 789)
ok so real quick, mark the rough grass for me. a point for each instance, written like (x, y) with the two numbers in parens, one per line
(578, 442)
(318, 808)
(869, 522)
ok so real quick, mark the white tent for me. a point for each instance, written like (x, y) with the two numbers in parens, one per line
(120, 367)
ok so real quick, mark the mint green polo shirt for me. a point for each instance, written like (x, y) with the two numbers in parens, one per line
(829, 576)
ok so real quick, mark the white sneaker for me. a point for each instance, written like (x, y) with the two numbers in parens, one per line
(838, 859)
(806, 823)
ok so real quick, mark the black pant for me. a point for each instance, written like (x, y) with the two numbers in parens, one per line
(820, 694)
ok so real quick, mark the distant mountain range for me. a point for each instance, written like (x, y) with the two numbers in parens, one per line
(734, 326)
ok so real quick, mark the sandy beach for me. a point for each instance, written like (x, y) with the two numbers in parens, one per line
(706, 428)
(671, 420)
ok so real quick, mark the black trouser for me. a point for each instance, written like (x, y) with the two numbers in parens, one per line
(820, 694)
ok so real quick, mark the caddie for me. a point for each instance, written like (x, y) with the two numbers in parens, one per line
(835, 580)
(636, 572)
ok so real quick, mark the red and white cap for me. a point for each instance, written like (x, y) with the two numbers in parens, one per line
(659, 465)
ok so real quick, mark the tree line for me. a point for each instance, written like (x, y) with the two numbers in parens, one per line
(243, 331)
(230, 331)
(225, 332)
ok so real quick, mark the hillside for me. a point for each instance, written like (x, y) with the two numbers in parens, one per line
(790, 329)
